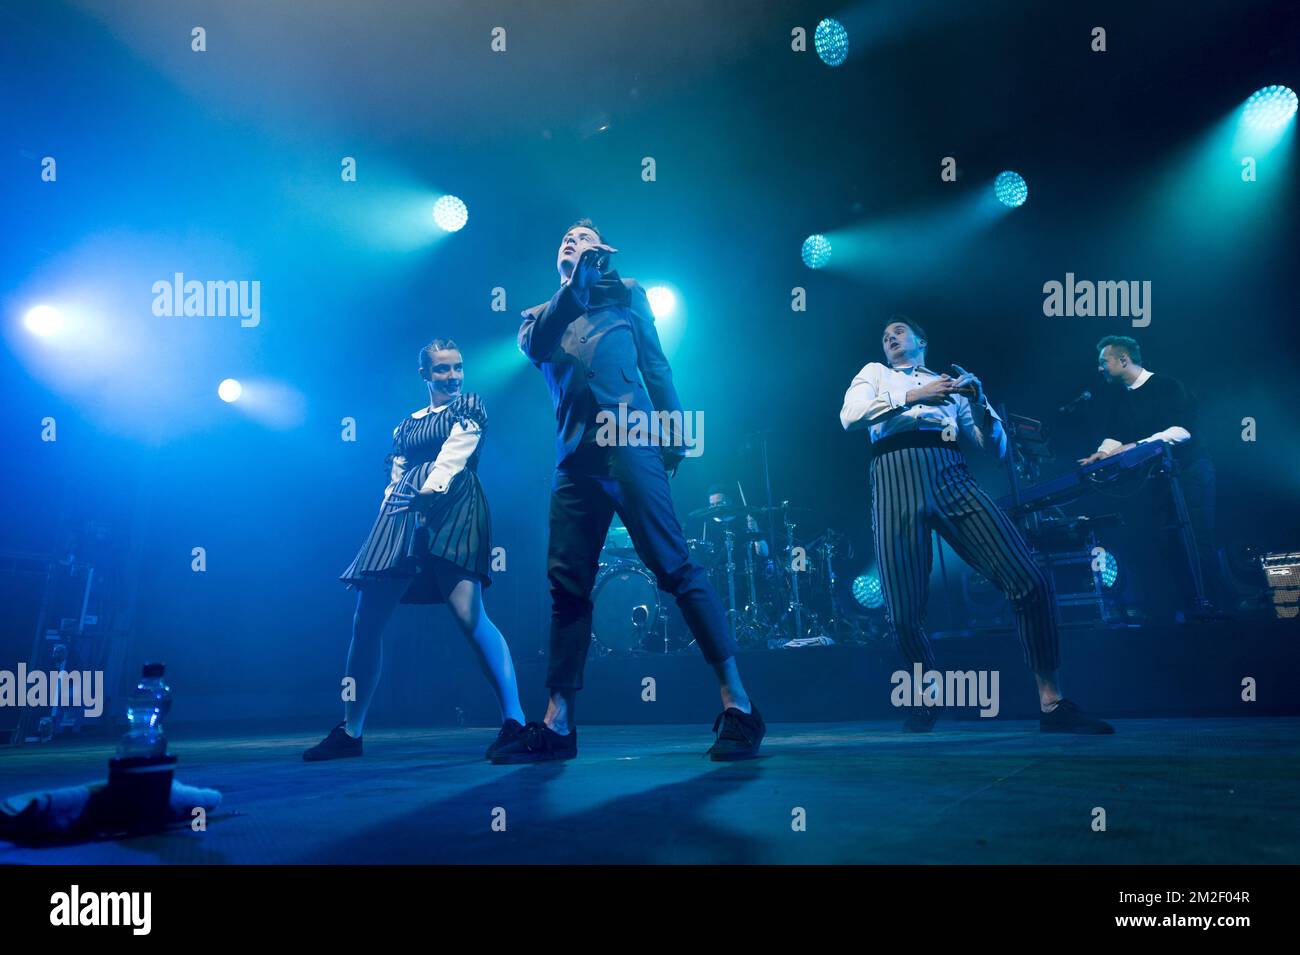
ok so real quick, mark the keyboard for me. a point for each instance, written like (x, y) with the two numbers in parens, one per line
(1073, 484)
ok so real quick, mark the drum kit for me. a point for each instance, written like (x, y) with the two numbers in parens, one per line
(785, 597)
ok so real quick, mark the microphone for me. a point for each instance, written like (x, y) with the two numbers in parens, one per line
(1071, 405)
(598, 257)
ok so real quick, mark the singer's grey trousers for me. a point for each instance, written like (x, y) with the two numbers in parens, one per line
(917, 490)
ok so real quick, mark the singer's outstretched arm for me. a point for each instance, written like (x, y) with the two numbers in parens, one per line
(539, 336)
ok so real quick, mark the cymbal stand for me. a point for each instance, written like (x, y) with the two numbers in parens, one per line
(828, 555)
(729, 542)
(754, 628)
(796, 607)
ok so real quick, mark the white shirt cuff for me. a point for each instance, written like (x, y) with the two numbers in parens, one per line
(1174, 435)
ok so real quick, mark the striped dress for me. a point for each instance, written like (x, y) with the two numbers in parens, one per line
(453, 540)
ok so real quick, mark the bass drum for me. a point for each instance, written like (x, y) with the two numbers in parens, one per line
(625, 607)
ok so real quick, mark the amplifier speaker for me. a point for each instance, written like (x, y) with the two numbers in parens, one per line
(1282, 576)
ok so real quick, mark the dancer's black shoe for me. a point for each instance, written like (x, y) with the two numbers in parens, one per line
(921, 719)
(509, 730)
(1068, 718)
(537, 743)
(338, 745)
(738, 735)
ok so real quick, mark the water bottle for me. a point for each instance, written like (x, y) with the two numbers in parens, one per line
(148, 703)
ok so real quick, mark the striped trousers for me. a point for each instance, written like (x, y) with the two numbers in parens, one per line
(917, 490)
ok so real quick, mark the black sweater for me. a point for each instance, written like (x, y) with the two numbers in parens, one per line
(1162, 402)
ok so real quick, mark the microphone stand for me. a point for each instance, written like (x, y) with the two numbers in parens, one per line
(767, 484)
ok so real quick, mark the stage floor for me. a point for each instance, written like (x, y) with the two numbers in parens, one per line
(1174, 791)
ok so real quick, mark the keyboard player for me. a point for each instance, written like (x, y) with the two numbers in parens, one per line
(1149, 408)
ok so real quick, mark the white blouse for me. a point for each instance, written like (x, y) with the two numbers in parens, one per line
(451, 460)
(877, 401)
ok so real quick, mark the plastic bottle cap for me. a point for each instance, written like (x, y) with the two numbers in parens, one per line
(154, 669)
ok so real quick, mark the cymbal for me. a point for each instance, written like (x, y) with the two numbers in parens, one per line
(778, 509)
(719, 512)
(831, 536)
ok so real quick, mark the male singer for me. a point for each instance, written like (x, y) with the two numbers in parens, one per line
(919, 484)
(596, 345)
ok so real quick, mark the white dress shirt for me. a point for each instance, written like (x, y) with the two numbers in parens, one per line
(877, 401)
(454, 454)
(1175, 434)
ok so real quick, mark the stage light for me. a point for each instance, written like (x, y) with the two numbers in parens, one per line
(1011, 189)
(816, 251)
(662, 300)
(867, 592)
(44, 321)
(230, 390)
(1109, 569)
(1270, 107)
(450, 214)
(831, 41)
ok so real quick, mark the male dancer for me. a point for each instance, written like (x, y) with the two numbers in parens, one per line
(1159, 408)
(595, 342)
(920, 483)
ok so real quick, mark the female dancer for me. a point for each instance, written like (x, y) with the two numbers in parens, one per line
(429, 544)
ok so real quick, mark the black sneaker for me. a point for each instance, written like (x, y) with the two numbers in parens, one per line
(509, 730)
(1068, 718)
(738, 735)
(921, 719)
(537, 743)
(338, 745)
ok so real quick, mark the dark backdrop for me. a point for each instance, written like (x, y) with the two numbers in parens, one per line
(225, 165)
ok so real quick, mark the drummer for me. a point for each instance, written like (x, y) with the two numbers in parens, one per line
(719, 498)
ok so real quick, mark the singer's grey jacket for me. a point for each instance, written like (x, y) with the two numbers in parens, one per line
(598, 354)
